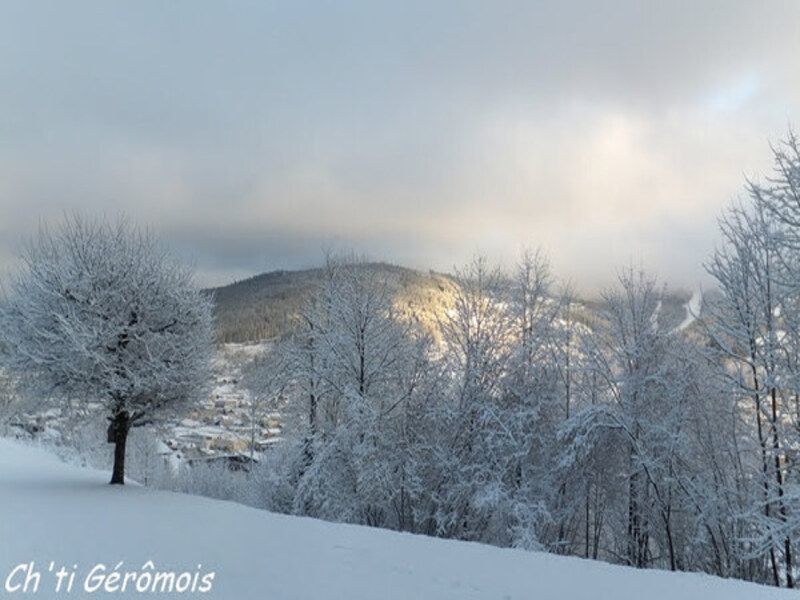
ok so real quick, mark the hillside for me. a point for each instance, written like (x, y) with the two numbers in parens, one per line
(50, 511)
(264, 306)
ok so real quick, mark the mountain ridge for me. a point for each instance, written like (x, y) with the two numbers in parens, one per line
(264, 306)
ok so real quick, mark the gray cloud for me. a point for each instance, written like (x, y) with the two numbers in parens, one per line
(252, 135)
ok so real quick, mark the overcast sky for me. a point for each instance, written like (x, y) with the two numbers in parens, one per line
(253, 135)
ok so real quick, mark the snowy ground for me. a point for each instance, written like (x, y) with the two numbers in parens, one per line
(50, 511)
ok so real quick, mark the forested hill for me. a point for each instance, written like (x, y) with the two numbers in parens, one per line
(264, 306)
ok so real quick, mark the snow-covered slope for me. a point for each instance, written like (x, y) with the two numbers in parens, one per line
(50, 511)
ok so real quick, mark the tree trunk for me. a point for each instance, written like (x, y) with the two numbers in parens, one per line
(311, 438)
(118, 435)
(776, 578)
(673, 564)
(586, 517)
(776, 446)
(637, 538)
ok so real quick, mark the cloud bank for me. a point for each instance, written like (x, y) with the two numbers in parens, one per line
(253, 135)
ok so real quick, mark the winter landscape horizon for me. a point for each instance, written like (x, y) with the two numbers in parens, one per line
(475, 300)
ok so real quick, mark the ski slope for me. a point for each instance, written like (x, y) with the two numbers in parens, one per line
(50, 511)
(692, 307)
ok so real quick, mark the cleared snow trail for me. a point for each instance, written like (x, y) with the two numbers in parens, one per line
(50, 511)
(692, 307)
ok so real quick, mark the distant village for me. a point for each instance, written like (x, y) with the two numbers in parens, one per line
(227, 426)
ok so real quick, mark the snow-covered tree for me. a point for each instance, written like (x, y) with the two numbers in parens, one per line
(102, 312)
(355, 374)
(646, 388)
(754, 329)
(475, 336)
(266, 378)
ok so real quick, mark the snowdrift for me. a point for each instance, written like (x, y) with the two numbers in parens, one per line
(50, 511)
